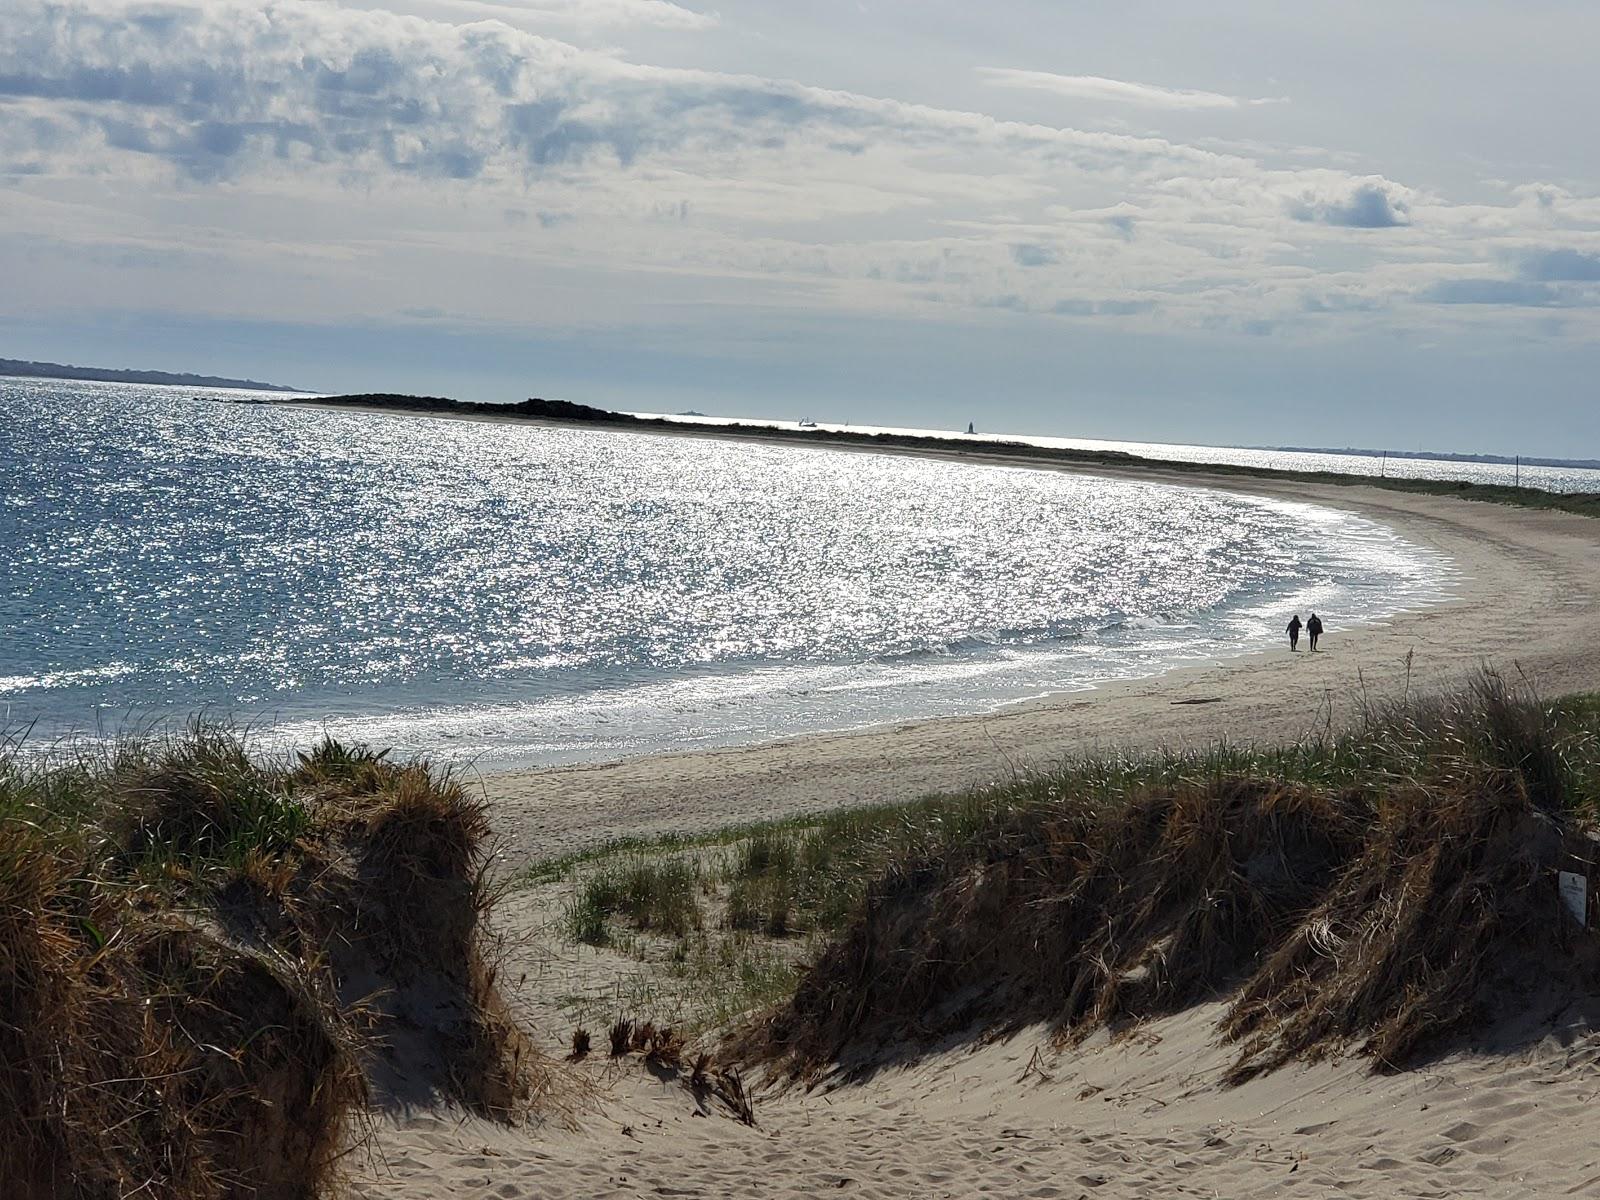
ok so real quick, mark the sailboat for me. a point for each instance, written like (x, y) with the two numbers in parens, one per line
(970, 429)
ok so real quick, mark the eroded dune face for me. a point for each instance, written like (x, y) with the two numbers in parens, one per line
(212, 968)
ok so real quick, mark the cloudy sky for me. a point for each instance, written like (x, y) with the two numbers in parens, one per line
(1340, 224)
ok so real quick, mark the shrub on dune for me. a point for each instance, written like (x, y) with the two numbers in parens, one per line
(1381, 889)
(202, 961)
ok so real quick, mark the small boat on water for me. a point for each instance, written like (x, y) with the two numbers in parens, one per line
(970, 429)
(807, 424)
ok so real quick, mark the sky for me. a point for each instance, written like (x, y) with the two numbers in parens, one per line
(1352, 224)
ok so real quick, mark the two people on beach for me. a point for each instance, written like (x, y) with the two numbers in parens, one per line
(1313, 628)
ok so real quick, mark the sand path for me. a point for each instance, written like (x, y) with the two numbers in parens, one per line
(1527, 601)
(1142, 1116)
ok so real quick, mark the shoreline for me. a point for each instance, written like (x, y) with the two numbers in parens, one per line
(1526, 602)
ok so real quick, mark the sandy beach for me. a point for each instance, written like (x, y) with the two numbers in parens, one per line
(1138, 1115)
(907, 792)
(1526, 601)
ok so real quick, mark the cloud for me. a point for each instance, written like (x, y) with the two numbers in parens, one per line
(1095, 87)
(215, 89)
(1032, 254)
(459, 161)
(1559, 265)
(579, 14)
(1370, 203)
(1102, 308)
(1492, 291)
(1339, 302)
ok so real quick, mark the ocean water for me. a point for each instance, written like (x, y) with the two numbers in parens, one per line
(508, 595)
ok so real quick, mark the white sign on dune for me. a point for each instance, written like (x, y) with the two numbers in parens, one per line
(1574, 896)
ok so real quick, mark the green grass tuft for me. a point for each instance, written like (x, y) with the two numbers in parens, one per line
(782, 890)
(658, 895)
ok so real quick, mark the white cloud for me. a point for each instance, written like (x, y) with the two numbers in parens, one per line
(383, 157)
(1121, 91)
(219, 89)
(587, 15)
(1370, 203)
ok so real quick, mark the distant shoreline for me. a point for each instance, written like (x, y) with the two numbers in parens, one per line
(1444, 456)
(563, 413)
(19, 368)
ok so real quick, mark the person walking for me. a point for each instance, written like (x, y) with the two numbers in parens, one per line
(1314, 630)
(1294, 632)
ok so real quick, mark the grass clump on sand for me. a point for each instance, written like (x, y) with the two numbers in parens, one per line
(1380, 888)
(1387, 889)
(204, 962)
(652, 894)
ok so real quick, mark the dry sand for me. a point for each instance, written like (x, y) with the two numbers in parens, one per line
(1140, 1116)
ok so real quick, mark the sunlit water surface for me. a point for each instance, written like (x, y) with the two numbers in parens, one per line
(512, 594)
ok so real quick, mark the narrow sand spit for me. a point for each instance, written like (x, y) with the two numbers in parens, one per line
(1527, 601)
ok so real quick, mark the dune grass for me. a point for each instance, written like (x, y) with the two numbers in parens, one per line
(651, 894)
(1387, 889)
(189, 943)
(787, 905)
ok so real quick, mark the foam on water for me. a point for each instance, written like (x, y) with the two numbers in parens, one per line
(514, 594)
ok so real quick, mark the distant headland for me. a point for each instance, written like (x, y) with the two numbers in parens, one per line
(567, 413)
(50, 370)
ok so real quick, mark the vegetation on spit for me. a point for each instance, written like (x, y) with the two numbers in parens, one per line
(1389, 889)
(210, 967)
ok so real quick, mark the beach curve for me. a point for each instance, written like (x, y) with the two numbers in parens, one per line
(1526, 602)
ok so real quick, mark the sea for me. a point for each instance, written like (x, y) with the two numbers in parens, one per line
(500, 595)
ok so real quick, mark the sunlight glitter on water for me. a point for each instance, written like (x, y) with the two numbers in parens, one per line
(551, 595)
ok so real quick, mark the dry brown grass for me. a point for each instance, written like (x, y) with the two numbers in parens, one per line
(621, 1037)
(140, 1051)
(405, 901)
(668, 1057)
(580, 1046)
(200, 960)
(1385, 899)
(1448, 900)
